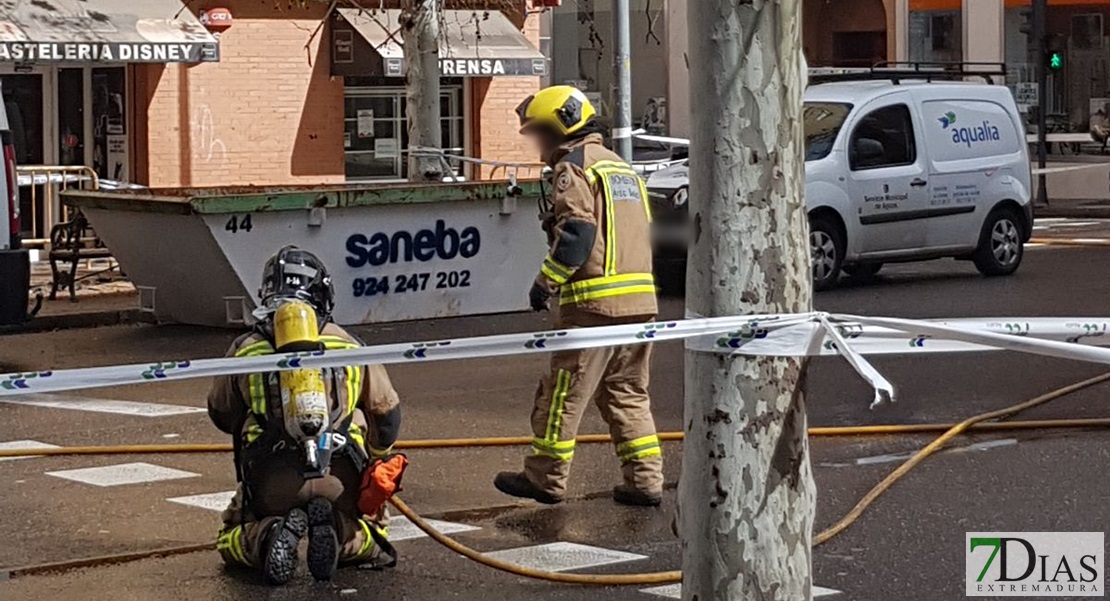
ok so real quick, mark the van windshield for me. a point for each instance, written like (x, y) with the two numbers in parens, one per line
(823, 121)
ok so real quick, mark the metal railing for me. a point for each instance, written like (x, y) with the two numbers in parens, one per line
(46, 182)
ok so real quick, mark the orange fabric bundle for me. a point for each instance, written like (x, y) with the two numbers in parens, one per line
(380, 482)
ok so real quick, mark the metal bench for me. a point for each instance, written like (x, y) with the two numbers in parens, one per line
(71, 242)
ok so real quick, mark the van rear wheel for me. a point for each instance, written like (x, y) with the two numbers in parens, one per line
(1000, 248)
(826, 249)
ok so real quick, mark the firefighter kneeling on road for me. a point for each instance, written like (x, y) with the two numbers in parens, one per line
(312, 446)
(599, 269)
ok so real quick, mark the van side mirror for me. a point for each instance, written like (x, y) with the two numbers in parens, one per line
(867, 152)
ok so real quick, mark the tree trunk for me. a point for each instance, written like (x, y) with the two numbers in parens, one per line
(746, 496)
(420, 31)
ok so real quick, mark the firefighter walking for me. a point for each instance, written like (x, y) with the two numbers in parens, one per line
(599, 272)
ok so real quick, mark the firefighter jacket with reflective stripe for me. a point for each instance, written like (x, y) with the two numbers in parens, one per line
(600, 257)
(362, 393)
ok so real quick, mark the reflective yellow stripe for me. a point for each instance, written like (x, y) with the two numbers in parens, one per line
(558, 399)
(610, 233)
(604, 287)
(640, 448)
(562, 450)
(620, 166)
(231, 541)
(551, 275)
(381, 453)
(255, 348)
(353, 373)
(257, 385)
(253, 432)
(354, 432)
(368, 544)
(644, 196)
(556, 271)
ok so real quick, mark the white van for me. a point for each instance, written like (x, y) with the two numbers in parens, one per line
(914, 170)
(904, 171)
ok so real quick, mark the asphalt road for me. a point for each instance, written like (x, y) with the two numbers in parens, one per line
(910, 545)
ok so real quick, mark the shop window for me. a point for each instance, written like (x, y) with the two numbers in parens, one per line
(936, 31)
(376, 129)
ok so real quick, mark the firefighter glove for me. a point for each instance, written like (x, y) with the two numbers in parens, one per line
(538, 297)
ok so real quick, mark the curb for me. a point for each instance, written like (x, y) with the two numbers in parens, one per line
(1071, 212)
(71, 321)
(1073, 209)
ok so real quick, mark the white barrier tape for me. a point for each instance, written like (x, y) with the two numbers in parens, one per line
(1051, 170)
(462, 348)
(884, 390)
(802, 334)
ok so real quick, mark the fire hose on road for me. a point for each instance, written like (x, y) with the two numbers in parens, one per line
(980, 422)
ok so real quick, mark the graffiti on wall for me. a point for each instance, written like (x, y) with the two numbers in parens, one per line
(207, 145)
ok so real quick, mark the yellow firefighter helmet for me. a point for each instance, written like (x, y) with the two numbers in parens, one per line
(563, 109)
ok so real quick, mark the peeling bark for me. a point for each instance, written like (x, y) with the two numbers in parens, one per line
(747, 495)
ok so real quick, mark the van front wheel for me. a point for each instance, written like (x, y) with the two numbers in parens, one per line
(1000, 247)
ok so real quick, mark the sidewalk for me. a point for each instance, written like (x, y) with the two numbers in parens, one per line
(103, 299)
(1078, 187)
(1073, 208)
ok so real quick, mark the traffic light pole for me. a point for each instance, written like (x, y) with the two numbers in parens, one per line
(1040, 15)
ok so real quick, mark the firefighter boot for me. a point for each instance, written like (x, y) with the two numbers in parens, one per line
(516, 484)
(323, 542)
(628, 495)
(281, 542)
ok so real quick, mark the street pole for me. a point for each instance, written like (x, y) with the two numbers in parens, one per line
(746, 496)
(1040, 17)
(622, 82)
(420, 33)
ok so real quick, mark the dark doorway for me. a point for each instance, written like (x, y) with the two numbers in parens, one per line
(858, 48)
(23, 98)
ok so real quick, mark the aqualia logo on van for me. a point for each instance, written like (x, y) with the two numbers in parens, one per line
(969, 135)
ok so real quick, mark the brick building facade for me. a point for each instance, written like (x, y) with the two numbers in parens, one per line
(271, 109)
(271, 112)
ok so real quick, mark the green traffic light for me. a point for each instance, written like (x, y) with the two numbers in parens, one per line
(1055, 61)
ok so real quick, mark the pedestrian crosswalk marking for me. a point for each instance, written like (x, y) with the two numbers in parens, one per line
(58, 401)
(122, 474)
(400, 528)
(561, 557)
(674, 591)
(216, 501)
(13, 445)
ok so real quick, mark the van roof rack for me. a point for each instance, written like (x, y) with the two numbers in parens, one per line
(896, 71)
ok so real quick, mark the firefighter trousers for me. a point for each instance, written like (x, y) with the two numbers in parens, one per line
(616, 378)
(276, 487)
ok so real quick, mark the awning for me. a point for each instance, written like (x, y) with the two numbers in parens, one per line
(103, 31)
(472, 44)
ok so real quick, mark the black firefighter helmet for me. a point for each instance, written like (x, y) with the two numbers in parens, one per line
(293, 273)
